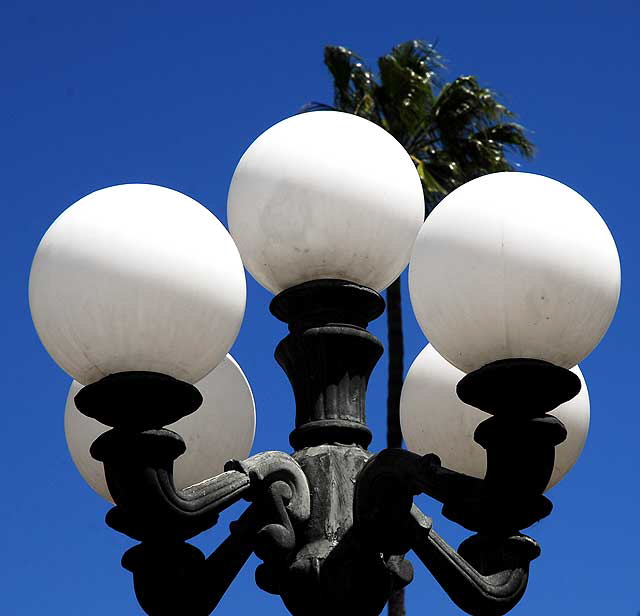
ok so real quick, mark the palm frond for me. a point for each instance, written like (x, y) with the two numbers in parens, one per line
(464, 106)
(407, 77)
(421, 58)
(508, 135)
(354, 84)
(315, 106)
(454, 132)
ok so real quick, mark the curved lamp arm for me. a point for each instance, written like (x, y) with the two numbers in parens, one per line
(139, 472)
(171, 576)
(487, 575)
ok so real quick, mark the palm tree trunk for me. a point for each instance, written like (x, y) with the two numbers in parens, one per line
(396, 363)
(395, 344)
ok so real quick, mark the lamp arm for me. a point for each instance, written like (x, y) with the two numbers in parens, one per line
(488, 574)
(489, 579)
(174, 577)
(138, 468)
(139, 471)
(171, 576)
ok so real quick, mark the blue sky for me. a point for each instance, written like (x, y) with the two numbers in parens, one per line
(96, 94)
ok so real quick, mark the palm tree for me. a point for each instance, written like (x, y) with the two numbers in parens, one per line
(454, 132)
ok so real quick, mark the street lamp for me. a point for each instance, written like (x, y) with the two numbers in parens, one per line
(138, 293)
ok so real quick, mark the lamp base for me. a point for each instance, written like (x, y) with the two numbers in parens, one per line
(522, 386)
(138, 400)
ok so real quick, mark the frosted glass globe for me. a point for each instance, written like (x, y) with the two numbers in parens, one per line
(221, 429)
(435, 420)
(137, 277)
(325, 195)
(514, 265)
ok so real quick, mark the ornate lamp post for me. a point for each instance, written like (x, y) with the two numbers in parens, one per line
(138, 293)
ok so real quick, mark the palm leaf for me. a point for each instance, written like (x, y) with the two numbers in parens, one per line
(508, 135)
(315, 106)
(454, 132)
(407, 76)
(354, 85)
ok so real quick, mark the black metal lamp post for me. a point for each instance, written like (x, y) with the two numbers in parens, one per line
(331, 522)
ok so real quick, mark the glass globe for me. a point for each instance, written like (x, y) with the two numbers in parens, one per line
(221, 429)
(514, 265)
(435, 420)
(137, 277)
(325, 195)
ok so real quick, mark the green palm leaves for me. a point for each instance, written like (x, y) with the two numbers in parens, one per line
(454, 132)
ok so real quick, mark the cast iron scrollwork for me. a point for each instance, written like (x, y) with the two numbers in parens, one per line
(170, 575)
(489, 572)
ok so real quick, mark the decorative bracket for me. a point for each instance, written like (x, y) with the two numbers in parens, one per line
(171, 576)
(488, 574)
(139, 471)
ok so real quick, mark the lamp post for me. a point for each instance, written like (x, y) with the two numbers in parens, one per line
(138, 293)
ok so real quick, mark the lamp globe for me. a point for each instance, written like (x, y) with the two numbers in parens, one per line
(514, 265)
(325, 195)
(137, 277)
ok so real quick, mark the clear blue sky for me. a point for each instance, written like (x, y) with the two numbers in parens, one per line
(95, 94)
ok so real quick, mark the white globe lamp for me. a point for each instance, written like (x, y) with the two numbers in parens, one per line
(514, 265)
(137, 278)
(325, 195)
